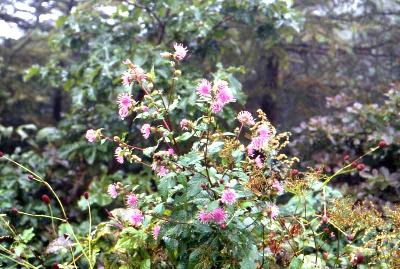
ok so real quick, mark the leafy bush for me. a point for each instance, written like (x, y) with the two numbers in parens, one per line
(217, 196)
(352, 128)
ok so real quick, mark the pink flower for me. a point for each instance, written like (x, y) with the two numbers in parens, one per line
(112, 190)
(126, 78)
(278, 187)
(91, 135)
(119, 155)
(216, 106)
(135, 217)
(156, 231)
(245, 118)
(228, 196)
(162, 171)
(131, 200)
(204, 87)
(184, 124)
(180, 51)
(145, 109)
(273, 211)
(259, 162)
(124, 100)
(250, 149)
(219, 215)
(123, 112)
(204, 216)
(146, 130)
(224, 94)
(257, 143)
(264, 132)
(171, 151)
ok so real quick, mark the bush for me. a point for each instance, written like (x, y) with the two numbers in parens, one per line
(217, 197)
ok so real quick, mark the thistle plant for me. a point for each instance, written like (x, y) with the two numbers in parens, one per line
(219, 196)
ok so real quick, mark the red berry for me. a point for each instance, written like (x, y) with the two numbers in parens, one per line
(354, 164)
(221, 181)
(294, 172)
(382, 144)
(86, 195)
(14, 211)
(360, 166)
(46, 199)
(55, 266)
(346, 157)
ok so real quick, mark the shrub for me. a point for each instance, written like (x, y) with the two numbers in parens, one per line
(217, 199)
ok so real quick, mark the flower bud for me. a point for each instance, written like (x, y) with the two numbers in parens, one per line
(223, 226)
(150, 86)
(166, 55)
(325, 219)
(177, 73)
(325, 255)
(360, 166)
(346, 157)
(382, 144)
(116, 139)
(86, 195)
(55, 266)
(350, 237)
(294, 172)
(14, 211)
(1, 154)
(45, 198)
(30, 177)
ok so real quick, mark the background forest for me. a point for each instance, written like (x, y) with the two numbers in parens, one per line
(327, 71)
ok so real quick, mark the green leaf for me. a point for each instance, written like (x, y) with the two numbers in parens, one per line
(27, 235)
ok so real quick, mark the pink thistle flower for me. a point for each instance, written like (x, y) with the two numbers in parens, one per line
(123, 112)
(219, 215)
(112, 190)
(131, 200)
(184, 124)
(278, 187)
(264, 132)
(162, 171)
(257, 143)
(259, 162)
(126, 78)
(273, 211)
(119, 155)
(245, 118)
(156, 231)
(204, 87)
(228, 196)
(124, 100)
(224, 94)
(216, 106)
(146, 129)
(135, 217)
(250, 149)
(205, 217)
(91, 135)
(180, 51)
